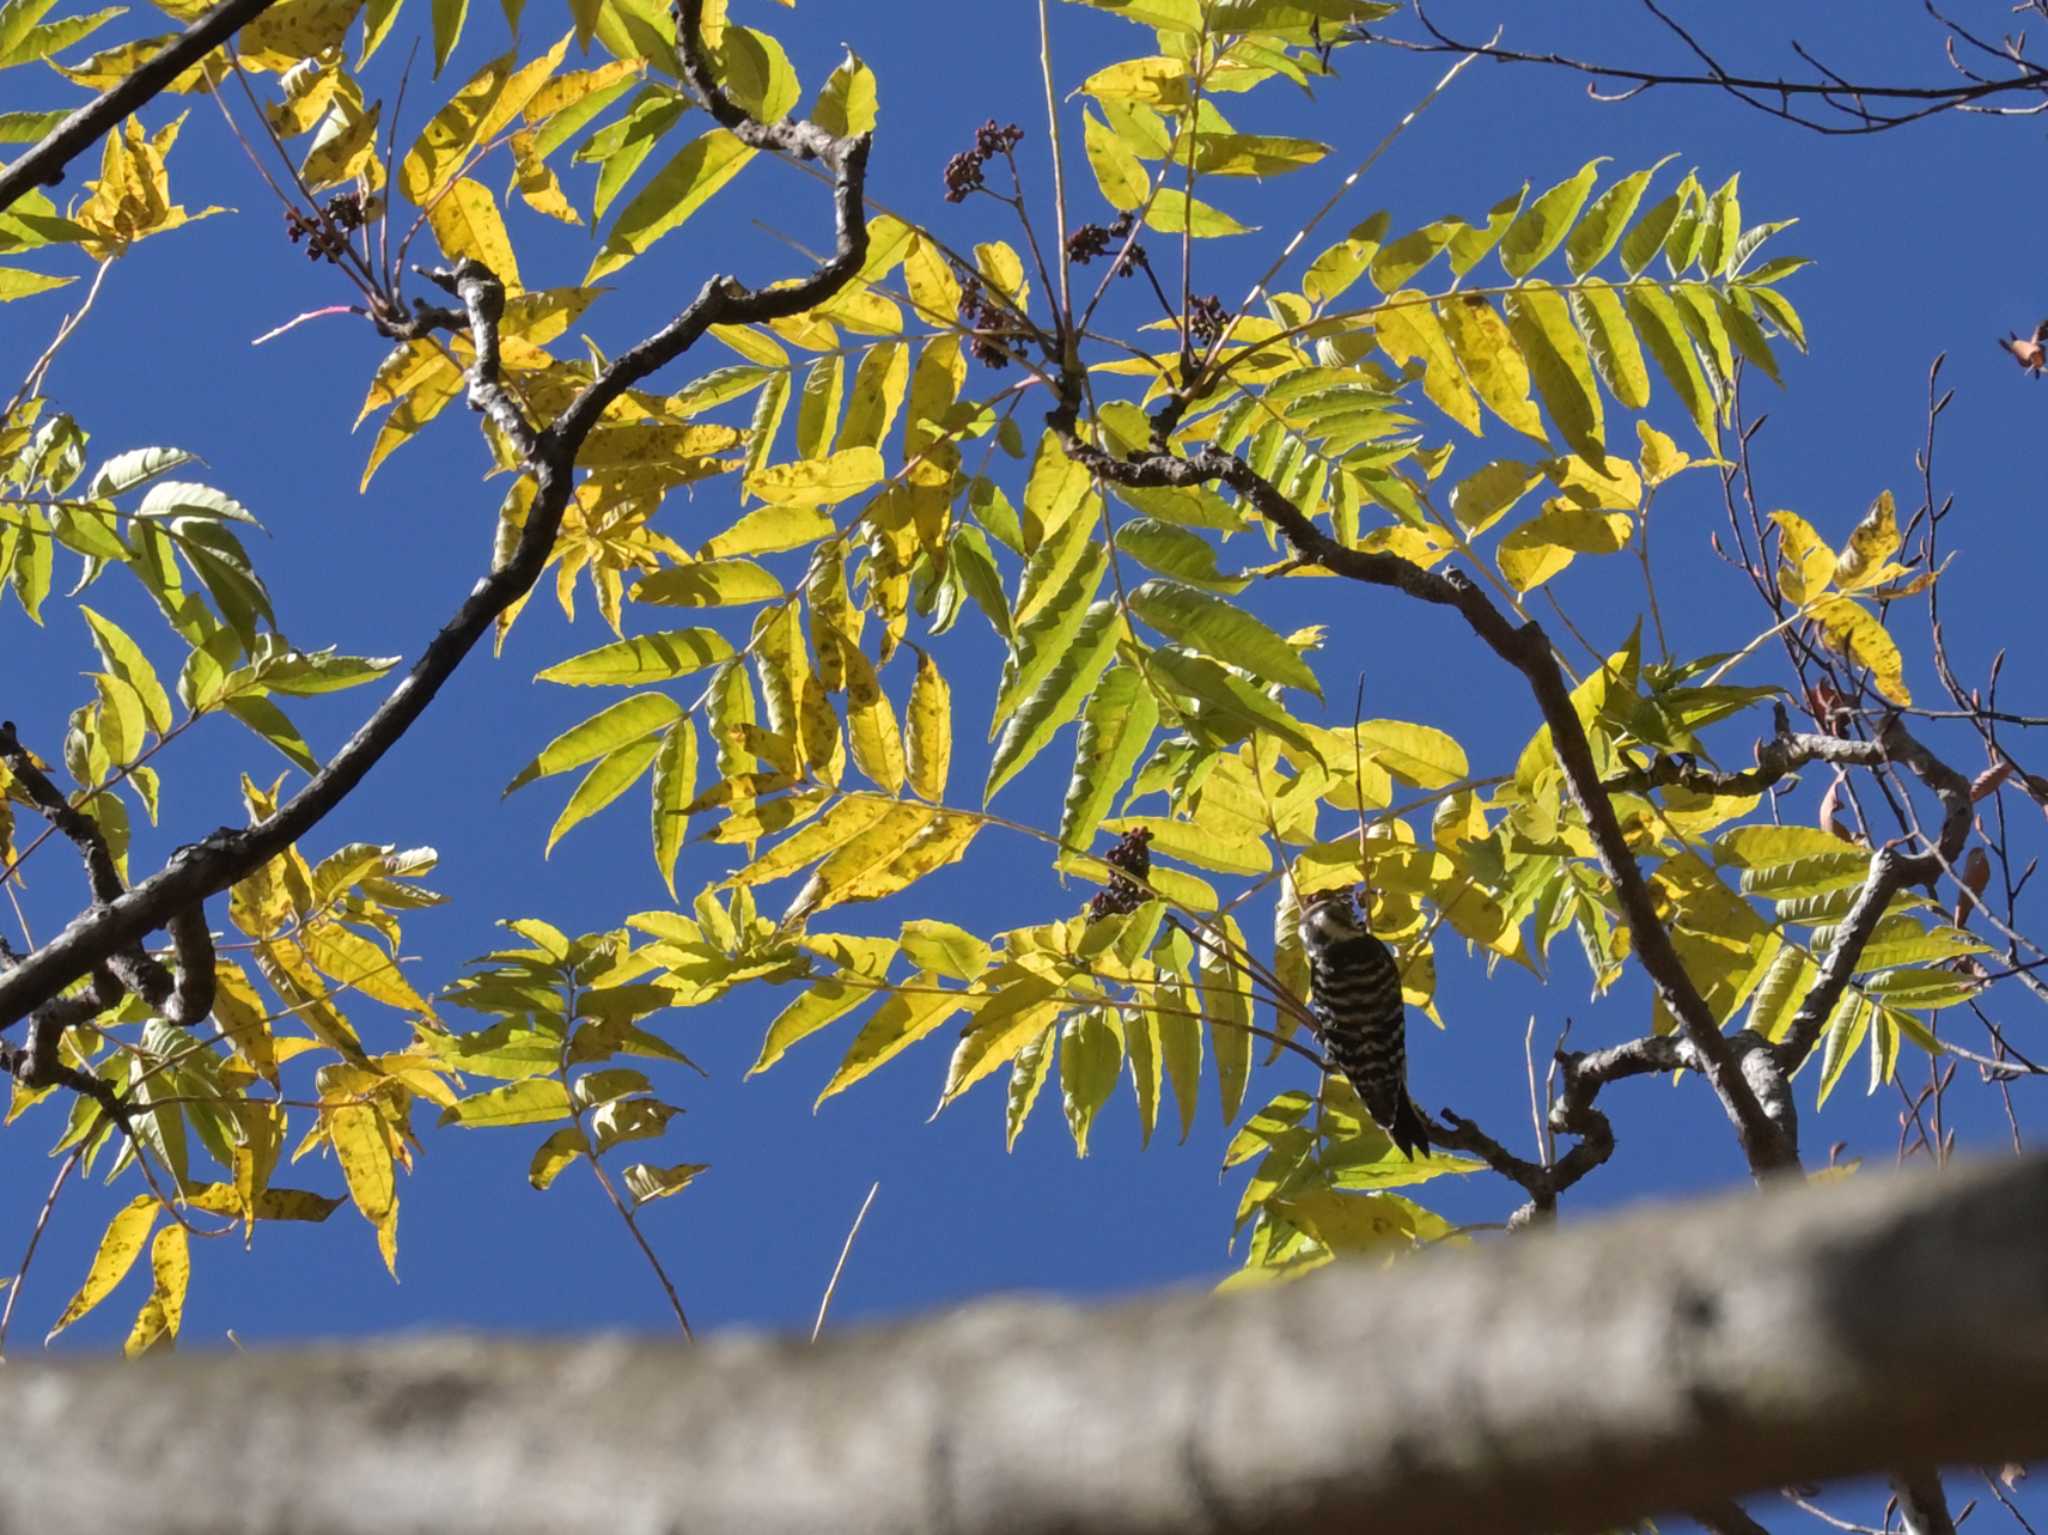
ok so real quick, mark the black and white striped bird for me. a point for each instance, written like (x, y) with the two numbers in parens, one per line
(1358, 1012)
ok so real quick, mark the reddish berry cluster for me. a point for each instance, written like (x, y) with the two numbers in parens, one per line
(963, 171)
(1122, 896)
(1092, 240)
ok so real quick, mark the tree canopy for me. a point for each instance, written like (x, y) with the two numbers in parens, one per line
(993, 594)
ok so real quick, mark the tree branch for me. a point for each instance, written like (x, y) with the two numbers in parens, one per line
(1568, 1382)
(1890, 872)
(1524, 647)
(211, 865)
(1851, 100)
(43, 166)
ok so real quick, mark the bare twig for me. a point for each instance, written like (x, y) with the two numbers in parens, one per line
(832, 1285)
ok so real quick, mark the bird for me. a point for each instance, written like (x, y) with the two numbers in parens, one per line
(1355, 1002)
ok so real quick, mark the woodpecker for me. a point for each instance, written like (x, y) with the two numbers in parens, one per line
(1358, 1013)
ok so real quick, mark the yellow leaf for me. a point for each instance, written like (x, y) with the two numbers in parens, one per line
(1806, 563)
(675, 192)
(1854, 631)
(1118, 171)
(769, 530)
(444, 144)
(158, 1321)
(118, 1250)
(1493, 362)
(818, 481)
(296, 29)
(900, 1022)
(1019, 1007)
(1876, 539)
(869, 852)
(357, 1135)
(350, 959)
(934, 291)
(556, 1153)
(1157, 81)
(929, 732)
(870, 720)
(1541, 323)
(940, 843)
(1407, 328)
(1662, 458)
(832, 830)
(467, 223)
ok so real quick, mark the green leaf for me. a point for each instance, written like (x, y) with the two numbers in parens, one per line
(124, 658)
(675, 192)
(1222, 631)
(531, 1102)
(1091, 1059)
(707, 584)
(900, 1022)
(944, 948)
(1044, 639)
(554, 1155)
(1543, 225)
(1230, 699)
(1602, 227)
(270, 722)
(614, 774)
(628, 720)
(1058, 697)
(1027, 1076)
(1662, 328)
(1612, 341)
(643, 658)
(847, 102)
(1116, 727)
(1176, 552)
(1541, 323)
(1118, 171)
(675, 785)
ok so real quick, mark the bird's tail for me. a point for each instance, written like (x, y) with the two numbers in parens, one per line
(1408, 1130)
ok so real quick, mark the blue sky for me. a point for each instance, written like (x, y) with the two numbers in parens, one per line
(1920, 249)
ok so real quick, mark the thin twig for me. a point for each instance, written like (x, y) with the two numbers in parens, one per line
(832, 1285)
(36, 1236)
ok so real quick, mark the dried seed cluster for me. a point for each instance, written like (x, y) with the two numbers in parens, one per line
(963, 171)
(1093, 240)
(1122, 896)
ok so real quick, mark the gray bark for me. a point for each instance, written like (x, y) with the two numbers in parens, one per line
(1566, 1381)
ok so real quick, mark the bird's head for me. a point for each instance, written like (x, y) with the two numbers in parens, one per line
(1330, 916)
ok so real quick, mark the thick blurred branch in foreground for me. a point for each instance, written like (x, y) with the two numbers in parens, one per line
(1564, 1381)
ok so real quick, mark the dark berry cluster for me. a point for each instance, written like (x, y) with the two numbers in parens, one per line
(963, 171)
(1092, 240)
(1206, 318)
(326, 236)
(1122, 896)
(988, 324)
(349, 210)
